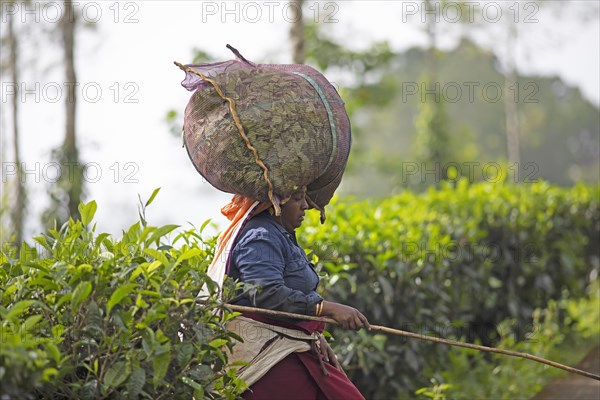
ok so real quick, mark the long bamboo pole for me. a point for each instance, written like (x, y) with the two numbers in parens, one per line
(421, 337)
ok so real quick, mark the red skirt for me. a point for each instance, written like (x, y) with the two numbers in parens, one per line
(300, 376)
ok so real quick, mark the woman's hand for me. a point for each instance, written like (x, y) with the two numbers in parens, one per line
(328, 354)
(347, 317)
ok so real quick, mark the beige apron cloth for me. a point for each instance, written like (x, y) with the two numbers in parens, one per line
(264, 346)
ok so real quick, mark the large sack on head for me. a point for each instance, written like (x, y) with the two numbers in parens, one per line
(296, 129)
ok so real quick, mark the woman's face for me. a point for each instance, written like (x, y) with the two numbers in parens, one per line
(292, 213)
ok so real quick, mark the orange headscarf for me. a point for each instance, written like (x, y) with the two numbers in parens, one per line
(235, 211)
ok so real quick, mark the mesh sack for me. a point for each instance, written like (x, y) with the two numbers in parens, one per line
(292, 129)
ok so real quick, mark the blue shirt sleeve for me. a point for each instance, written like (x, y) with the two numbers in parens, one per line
(260, 261)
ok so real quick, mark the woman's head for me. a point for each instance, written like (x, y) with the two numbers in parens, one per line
(292, 212)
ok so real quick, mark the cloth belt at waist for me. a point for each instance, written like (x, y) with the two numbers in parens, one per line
(263, 347)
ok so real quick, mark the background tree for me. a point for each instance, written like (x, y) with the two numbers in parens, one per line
(510, 103)
(297, 33)
(433, 148)
(472, 128)
(11, 43)
(517, 18)
(19, 204)
(543, 120)
(67, 192)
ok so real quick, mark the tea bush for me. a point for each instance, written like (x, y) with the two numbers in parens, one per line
(85, 316)
(453, 262)
(468, 375)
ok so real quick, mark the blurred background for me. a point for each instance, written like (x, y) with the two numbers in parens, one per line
(436, 90)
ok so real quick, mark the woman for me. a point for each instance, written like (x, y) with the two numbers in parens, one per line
(288, 358)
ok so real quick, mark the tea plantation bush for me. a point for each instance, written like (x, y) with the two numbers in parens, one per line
(85, 316)
(469, 375)
(454, 263)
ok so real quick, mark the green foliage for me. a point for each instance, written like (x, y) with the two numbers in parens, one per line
(473, 376)
(174, 122)
(326, 54)
(436, 392)
(366, 83)
(454, 262)
(433, 145)
(558, 127)
(86, 316)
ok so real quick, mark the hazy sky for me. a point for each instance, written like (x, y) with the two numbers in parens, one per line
(128, 81)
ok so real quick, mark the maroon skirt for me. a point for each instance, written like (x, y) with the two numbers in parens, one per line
(300, 375)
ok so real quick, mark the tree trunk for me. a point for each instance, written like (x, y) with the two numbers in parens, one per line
(511, 97)
(17, 212)
(70, 151)
(430, 29)
(437, 123)
(297, 33)
(512, 120)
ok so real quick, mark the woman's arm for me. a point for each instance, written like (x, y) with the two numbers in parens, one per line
(260, 262)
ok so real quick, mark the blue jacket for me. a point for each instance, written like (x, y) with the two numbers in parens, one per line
(269, 257)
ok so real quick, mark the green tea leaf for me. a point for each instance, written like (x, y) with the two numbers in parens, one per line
(118, 295)
(198, 393)
(160, 363)
(101, 238)
(49, 373)
(191, 383)
(217, 343)
(18, 309)
(57, 331)
(87, 212)
(151, 199)
(116, 374)
(205, 224)
(43, 241)
(153, 265)
(183, 353)
(81, 292)
(63, 299)
(136, 382)
(161, 231)
(160, 256)
(88, 390)
(93, 321)
(30, 322)
(187, 255)
(54, 352)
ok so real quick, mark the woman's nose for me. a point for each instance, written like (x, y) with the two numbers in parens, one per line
(304, 204)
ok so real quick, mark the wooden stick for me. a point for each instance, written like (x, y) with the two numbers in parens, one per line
(421, 337)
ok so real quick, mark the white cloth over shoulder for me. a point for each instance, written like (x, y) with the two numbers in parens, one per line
(216, 270)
